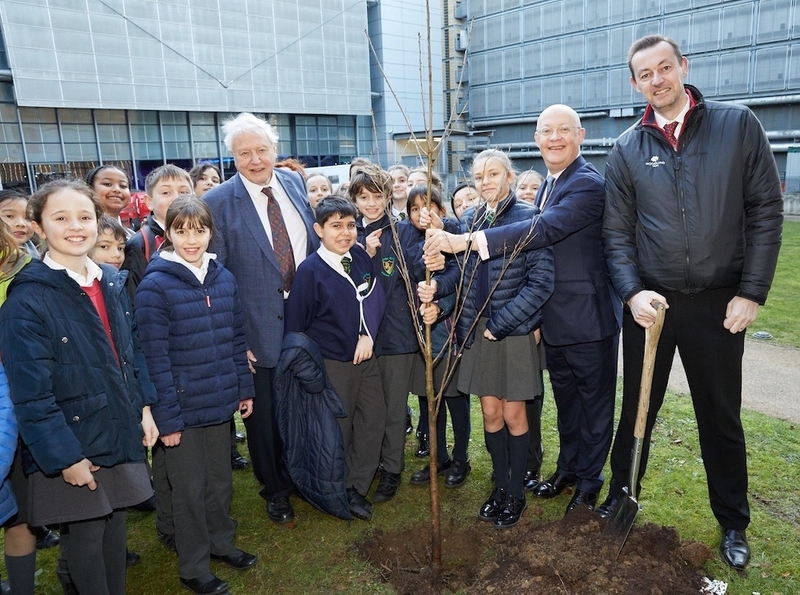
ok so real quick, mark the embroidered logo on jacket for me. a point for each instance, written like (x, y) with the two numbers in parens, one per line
(654, 162)
(388, 266)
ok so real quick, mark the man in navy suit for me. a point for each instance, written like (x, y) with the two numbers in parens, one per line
(244, 235)
(582, 318)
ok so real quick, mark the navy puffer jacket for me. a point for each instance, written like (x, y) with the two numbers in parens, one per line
(307, 407)
(193, 338)
(8, 446)
(72, 397)
(525, 279)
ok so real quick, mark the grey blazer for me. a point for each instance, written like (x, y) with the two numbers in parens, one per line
(242, 246)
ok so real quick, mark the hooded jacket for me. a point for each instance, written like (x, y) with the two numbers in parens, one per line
(306, 407)
(73, 397)
(706, 216)
(193, 339)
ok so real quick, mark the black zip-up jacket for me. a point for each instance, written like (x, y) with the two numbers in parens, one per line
(397, 334)
(706, 216)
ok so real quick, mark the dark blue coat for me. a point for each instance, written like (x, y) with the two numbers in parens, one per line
(72, 397)
(193, 338)
(8, 446)
(524, 281)
(306, 407)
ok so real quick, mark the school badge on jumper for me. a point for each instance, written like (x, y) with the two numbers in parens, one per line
(388, 266)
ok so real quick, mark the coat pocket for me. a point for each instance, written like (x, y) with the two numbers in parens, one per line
(89, 419)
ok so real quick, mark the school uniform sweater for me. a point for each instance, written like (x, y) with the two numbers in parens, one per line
(327, 307)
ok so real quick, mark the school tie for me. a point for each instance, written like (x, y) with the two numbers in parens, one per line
(669, 130)
(346, 260)
(402, 215)
(281, 244)
(548, 187)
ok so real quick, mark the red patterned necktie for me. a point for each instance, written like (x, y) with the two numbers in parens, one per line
(669, 130)
(280, 239)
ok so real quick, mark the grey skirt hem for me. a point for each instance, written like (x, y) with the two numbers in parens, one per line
(508, 369)
(52, 500)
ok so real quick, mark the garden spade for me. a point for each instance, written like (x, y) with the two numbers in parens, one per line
(619, 526)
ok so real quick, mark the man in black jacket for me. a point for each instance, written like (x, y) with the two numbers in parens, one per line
(693, 219)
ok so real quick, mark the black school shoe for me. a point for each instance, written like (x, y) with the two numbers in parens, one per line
(238, 462)
(492, 508)
(387, 487)
(457, 475)
(511, 513)
(239, 560)
(359, 506)
(423, 476)
(205, 585)
(45, 538)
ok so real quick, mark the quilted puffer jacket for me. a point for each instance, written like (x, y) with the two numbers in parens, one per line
(306, 407)
(525, 279)
(8, 445)
(193, 339)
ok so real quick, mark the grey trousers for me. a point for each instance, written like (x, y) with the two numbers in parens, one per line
(360, 389)
(199, 472)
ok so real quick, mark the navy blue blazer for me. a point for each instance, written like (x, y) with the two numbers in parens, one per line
(242, 246)
(584, 306)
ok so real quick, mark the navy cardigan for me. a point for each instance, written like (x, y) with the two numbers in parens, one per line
(73, 397)
(193, 338)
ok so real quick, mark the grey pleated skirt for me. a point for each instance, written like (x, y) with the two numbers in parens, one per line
(52, 500)
(508, 369)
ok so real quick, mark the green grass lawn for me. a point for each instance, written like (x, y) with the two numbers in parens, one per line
(315, 556)
(779, 316)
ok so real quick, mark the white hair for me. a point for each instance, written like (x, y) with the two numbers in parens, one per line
(247, 122)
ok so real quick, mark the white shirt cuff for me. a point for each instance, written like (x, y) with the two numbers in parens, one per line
(483, 246)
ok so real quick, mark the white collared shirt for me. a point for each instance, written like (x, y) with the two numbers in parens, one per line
(334, 260)
(662, 121)
(93, 271)
(295, 226)
(199, 272)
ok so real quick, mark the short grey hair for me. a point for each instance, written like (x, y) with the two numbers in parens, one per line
(247, 122)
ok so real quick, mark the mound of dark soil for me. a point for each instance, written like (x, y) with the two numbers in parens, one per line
(568, 556)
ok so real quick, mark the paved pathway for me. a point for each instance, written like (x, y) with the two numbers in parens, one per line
(770, 375)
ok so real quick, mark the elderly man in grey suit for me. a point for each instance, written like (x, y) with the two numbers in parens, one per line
(263, 231)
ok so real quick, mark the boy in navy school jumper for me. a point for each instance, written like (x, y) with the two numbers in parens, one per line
(336, 301)
(396, 345)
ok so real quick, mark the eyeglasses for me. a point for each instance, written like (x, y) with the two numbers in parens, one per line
(561, 131)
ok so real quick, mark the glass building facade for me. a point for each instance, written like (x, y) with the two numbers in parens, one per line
(527, 54)
(139, 83)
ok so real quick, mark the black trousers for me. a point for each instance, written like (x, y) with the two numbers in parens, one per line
(712, 359)
(264, 441)
(584, 381)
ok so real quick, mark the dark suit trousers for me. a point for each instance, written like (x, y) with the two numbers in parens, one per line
(584, 380)
(712, 359)
(264, 441)
(199, 471)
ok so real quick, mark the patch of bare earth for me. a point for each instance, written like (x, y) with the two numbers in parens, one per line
(568, 556)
